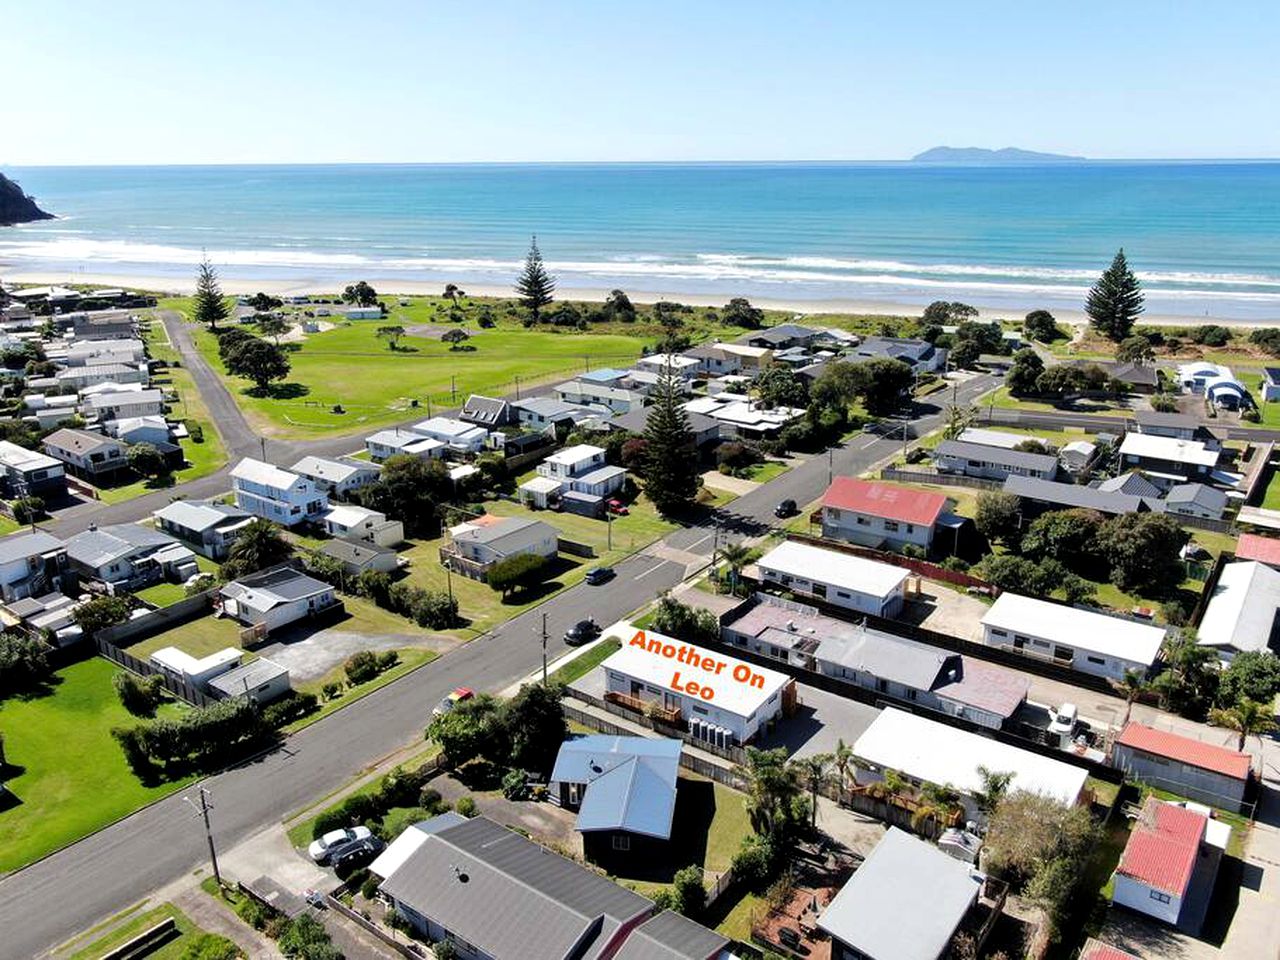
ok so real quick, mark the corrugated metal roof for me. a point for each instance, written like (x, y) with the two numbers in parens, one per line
(1251, 546)
(670, 936)
(1163, 847)
(631, 782)
(1196, 753)
(884, 500)
(1071, 495)
(1019, 459)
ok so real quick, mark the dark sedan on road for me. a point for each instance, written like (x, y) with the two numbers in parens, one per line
(584, 631)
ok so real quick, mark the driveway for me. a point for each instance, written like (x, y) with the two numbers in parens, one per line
(317, 654)
(821, 720)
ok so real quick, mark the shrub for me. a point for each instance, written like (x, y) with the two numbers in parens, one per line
(387, 659)
(467, 806)
(211, 946)
(435, 609)
(253, 913)
(213, 733)
(139, 695)
(369, 889)
(515, 785)
(523, 570)
(195, 431)
(361, 667)
(429, 799)
(755, 862)
(331, 690)
(292, 706)
(24, 663)
(689, 890)
(306, 938)
(398, 921)
(27, 509)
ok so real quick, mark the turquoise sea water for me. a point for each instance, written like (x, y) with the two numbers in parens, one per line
(1204, 237)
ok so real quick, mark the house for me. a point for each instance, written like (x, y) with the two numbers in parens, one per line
(925, 751)
(1084, 640)
(207, 527)
(1132, 484)
(583, 392)
(671, 936)
(624, 791)
(1196, 500)
(351, 522)
(31, 564)
(740, 416)
(1252, 546)
(88, 455)
(925, 676)
(339, 479)
(580, 470)
(840, 579)
(477, 545)
(920, 355)
(118, 404)
(130, 556)
(394, 442)
(993, 438)
(906, 901)
(197, 671)
(550, 415)
(880, 514)
(356, 558)
(29, 473)
(752, 359)
(1178, 426)
(992, 463)
(715, 361)
(458, 436)
(394, 855)
(1040, 495)
(276, 598)
(705, 430)
(725, 701)
(486, 412)
(1076, 456)
(89, 353)
(1204, 772)
(784, 336)
(1170, 863)
(1192, 377)
(260, 680)
(1167, 460)
(605, 377)
(1270, 385)
(675, 364)
(51, 615)
(1241, 612)
(149, 429)
(77, 378)
(494, 894)
(1133, 377)
(104, 325)
(267, 491)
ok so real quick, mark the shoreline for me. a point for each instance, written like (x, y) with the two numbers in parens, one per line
(398, 286)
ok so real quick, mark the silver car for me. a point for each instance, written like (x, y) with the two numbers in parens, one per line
(333, 843)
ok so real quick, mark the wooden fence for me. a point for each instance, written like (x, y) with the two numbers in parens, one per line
(923, 568)
(178, 687)
(940, 479)
(160, 619)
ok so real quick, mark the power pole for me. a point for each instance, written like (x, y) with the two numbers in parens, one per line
(517, 386)
(831, 453)
(263, 441)
(203, 810)
(453, 387)
(544, 649)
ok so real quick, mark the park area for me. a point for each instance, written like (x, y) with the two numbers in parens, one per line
(66, 776)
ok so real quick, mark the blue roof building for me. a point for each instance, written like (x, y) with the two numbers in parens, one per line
(606, 375)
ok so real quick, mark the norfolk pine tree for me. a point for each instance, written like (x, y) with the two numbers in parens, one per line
(534, 285)
(670, 458)
(1115, 301)
(210, 305)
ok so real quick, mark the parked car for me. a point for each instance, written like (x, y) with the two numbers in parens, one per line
(1064, 719)
(333, 843)
(784, 509)
(452, 700)
(357, 854)
(584, 631)
(598, 575)
(618, 508)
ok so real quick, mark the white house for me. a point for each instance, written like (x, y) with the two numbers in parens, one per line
(992, 463)
(128, 554)
(30, 472)
(88, 353)
(149, 429)
(31, 564)
(581, 469)
(602, 396)
(1084, 640)
(267, 491)
(276, 598)
(677, 365)
(876, 514)
(336, 478)
(1193, 376)
(196, 671)
(119, 404)
(926, 751)
(714, 361)
(77, 378)
(260, 680)
(358, 557)
(478, 544)
(725, 700)
(1167, 460)
(351, 522)
(389, 443)
(837, 578)
(208, 528)
(456, 434)
(1241, 613)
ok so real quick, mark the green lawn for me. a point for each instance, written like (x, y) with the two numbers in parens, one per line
(764, 472)
(199, 638)
(1003, 399)
(411, 658)
(162, 594)
(8, 525)
(173, 949)
(582, 665)
(1271, 499)
(74, 778)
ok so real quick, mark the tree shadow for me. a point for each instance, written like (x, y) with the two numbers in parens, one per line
(555, 568)
(279, 391)
(36, 690)
(8, 799)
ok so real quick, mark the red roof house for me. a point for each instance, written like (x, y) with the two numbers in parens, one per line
(1263, 549)
(1195, 753)
(871, 513)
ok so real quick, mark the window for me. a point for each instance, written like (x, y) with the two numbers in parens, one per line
(864, 522)
(911, 528)
(1161, 897)
(621, 842)
(820, 590)
(891, 526)
(1100, 661)
(833, 513)
(911, 693)
(882, 685)
(843, 595)
(999, 633)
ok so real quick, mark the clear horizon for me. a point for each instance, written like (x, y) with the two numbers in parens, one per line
(146, 83)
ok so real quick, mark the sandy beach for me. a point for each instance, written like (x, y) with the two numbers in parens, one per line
(399, 285)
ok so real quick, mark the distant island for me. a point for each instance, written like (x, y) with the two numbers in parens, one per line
(16, 206)
(981, 156)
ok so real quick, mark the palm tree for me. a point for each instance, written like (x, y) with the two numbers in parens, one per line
(735, 555)
(959, 419)
(1248, 718)
(995, 784)
(771, 786)
(1131, 686)
(843, 763)
(259, 545)
(814, 768)
(935, 803)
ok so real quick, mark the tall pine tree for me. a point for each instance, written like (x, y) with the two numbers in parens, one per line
(210, 305)
(1115, 301)
(670, 457)
(534, 285)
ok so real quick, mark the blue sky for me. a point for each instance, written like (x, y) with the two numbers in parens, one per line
(397, 80)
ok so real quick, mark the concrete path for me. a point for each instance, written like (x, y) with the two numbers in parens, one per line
(211, 914)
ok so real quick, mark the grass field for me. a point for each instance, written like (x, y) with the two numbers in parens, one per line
(174, 949)
(8, 525)
(1006, 401)
(73, 779)
(582, 665)
(764, 472)
(199, 638)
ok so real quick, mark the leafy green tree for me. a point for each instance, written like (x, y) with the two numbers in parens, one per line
(100, 613)
(1016, 574)
(882, 383)
(988, 337)
(264, 302)
(24, 664)
(1025, 372)
(146, 461)
(1268, 338)
(1136, 349)
(455, 337)
(360, 294)
(670, 465)
(1040, 325)
(258, 361)
(739, 312)
(1060, 381)
(998, 515)
(689, 891)
(618, 306)
(1248, 718)
(259, 545)
(305, 938)
(995, 784)
(836, 387)
(392, 335)
(1190, 683)
(1068, 536)
(536, 727)
(1251, 675)
(814, 769)
(945, 313)
(522, 571)
(683, 622)
(229, 340)
(535, 286)
(735, 556)
(772, 785)
(210, 305)
(964, 354)
(780, 387)
(272, 326)
(1116, 300)
(27, 509)
(408, 489)
(1142, 551)
(473, 729)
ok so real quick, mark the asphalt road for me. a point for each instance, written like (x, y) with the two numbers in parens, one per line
(70, 891)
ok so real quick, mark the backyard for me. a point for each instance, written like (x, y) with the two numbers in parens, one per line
(67, 775)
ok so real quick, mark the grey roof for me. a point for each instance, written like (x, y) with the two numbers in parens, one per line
(94, 548)
(1131, 373)
(904, 903)
(510, 897)
(247, 676)
(897, 348)
(550, 408)
(1134, 484)
(1153, 418)
(200, 515)
(78, 441)
(601, 474)
(348, 551)
(1021, 459)
(670, 936)
(782, 333)
(333, 471)
(637, 419)
(1072, 495)
(1210, 498)
(892, 658)
(281, 585)
(524, 528)
(484, 410)
(631, 782)
(19, 546)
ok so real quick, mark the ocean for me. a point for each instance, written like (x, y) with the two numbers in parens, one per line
(1204, 237)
